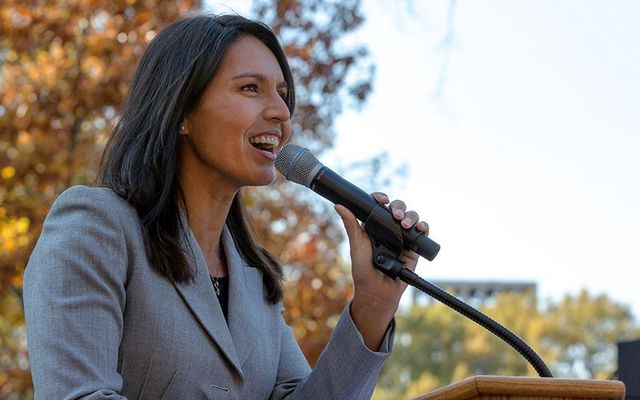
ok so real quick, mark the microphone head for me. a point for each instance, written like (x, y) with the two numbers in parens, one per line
(297, 164)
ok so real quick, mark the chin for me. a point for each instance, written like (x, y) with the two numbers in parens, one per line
(263, 180)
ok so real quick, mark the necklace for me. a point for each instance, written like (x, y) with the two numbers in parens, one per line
(216, 280)
(216, 285)
(220, 285)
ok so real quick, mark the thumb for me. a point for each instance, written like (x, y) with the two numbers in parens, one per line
(354, 232)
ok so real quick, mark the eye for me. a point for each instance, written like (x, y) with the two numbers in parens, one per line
(283, 94)
(251, 87)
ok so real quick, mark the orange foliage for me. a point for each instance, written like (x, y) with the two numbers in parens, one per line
(64, 68)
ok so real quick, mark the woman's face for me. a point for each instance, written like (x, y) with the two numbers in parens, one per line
(233, 136)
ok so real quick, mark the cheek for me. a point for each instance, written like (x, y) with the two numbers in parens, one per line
(234, 119)
(225, 124)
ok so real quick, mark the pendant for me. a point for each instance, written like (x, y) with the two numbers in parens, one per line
(216, 285)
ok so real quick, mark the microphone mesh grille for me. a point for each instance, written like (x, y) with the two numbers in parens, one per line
(296, 164)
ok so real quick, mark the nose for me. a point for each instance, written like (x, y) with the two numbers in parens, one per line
(277, 110)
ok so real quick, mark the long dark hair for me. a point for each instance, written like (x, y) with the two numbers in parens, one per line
(140, 160)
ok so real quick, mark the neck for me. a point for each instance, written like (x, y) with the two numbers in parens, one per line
(207, 209)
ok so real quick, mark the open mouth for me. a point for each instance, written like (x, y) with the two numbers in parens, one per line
(265, 143)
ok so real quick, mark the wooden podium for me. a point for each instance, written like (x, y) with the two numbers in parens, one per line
(527, 388)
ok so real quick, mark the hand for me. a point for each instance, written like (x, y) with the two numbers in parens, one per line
(376, 296)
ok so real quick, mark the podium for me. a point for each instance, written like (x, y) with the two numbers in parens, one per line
(527, 388)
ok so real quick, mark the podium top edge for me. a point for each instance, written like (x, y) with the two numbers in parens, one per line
(483, 385)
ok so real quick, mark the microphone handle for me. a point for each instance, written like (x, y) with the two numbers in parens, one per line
(336, 189)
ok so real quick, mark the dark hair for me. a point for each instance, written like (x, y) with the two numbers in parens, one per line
(140, 160)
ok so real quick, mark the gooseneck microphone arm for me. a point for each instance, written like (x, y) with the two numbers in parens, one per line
(389, 240)
(513, 340)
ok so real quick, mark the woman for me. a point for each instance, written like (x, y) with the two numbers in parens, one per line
(151, 286)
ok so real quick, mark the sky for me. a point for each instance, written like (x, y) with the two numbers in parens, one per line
(518, 123)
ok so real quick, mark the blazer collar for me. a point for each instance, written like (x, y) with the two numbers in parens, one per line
(235, 339)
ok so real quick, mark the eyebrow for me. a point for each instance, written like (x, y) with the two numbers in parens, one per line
(259, 77)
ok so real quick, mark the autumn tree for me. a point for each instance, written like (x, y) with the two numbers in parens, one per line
(576, 337)
(582, 331)
(437, 346)
(64, 69)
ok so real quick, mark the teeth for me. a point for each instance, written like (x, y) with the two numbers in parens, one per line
(265, 139)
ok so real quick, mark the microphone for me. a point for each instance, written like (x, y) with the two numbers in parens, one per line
(298, 165)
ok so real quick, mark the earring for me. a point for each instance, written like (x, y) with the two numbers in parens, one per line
(183, 130)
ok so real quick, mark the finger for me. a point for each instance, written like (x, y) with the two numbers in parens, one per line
(423, 227)
(398, 208)
(380, 197)
(413, 263)
(410, 219)
(350, 223)
(410, 259)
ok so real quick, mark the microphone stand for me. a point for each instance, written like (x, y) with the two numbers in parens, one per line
(386, 261)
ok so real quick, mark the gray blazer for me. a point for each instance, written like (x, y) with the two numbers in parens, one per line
(103, 324)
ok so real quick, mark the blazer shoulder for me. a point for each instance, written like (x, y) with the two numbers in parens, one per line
(102, 200)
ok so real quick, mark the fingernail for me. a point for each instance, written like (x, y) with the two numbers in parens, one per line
(406, 223)
(398, 213)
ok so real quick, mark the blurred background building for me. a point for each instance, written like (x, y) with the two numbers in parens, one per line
(476, 293)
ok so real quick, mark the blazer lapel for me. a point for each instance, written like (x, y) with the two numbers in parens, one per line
(201, 300)
(243, 296)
